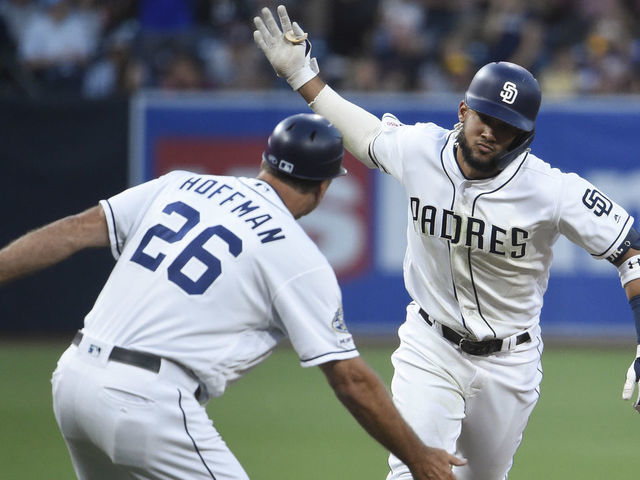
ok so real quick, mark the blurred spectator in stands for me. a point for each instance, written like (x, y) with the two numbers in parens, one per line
(90, 14)
(400, 44)
(225, 46)
(512, 31)
(364, 74)
(634, 13)
(56, 46)
(12, 78)
(166, 27)
(115, 13)
(116, 72)
(348, 27)
(585, 46)
(560, 76)
(565, 25)
(458, 65)
(14, 81)
(453, 27)
(607, 66)
(17, 14)
(184, 71)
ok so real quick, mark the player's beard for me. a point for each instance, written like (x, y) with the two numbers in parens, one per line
(484, 166)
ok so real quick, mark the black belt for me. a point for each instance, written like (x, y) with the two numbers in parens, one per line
(484, 347)
(148, 361)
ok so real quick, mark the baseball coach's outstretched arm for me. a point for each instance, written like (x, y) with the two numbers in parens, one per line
(53, 243)
(364, 395)
(289, 52)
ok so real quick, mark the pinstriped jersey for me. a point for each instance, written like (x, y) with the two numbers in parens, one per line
(479, 251)
(211, 272)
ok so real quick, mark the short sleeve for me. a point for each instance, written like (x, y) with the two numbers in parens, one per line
(123, 211)
(309, 307)
(385, 147)
(590, 219)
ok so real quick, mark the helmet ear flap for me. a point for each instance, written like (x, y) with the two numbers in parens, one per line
(520, 139)
(520, 144)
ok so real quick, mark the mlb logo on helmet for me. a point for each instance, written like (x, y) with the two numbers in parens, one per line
(285, 166)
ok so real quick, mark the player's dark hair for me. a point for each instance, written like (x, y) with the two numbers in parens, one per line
(302, 185)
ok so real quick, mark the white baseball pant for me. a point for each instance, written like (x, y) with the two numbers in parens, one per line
(476, 407)
(122, 422)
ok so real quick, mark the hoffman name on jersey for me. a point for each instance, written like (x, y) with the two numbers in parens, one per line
(226, 195)
(468, 231)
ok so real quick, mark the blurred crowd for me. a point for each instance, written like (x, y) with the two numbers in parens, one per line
(108, 48)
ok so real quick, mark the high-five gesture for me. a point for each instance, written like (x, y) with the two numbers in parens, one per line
(287, 49)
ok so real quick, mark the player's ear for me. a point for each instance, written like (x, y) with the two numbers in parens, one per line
(322, 189)
(462, 111)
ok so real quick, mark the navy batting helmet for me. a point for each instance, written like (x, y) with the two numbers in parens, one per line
(505, 91)
(510, 93)
(306, 146)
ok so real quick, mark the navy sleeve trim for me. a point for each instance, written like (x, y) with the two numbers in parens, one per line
(373, 158)
(115, 228)
(616, 240)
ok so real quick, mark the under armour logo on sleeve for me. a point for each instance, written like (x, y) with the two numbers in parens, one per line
(596, 201)
(635, 261)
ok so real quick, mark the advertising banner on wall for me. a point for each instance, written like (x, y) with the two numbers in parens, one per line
(361, 224)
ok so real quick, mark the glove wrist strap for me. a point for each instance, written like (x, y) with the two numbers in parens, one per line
(300, 77)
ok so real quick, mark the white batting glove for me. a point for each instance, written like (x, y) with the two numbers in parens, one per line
(290, 52)
(633, 377)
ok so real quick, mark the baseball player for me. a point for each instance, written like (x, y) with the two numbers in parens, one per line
(211, 272)
(484, 213)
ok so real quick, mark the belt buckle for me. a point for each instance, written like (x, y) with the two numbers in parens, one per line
(476, 348)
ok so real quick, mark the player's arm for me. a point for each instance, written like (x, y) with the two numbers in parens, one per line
(365, 396)
(53, 243)
(632, 287)
(289, 53)
(629, 270)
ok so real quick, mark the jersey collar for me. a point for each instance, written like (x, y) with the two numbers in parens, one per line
(266, 191)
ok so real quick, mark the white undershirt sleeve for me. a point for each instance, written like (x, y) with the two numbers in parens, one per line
(358, 127)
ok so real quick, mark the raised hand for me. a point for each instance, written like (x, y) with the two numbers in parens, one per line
(287, 49)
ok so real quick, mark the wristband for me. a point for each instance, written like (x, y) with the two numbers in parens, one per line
(629, 269)
(635, 308)
(302, 76)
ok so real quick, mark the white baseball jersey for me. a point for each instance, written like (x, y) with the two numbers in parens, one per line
(479, 251)
(212, 272)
